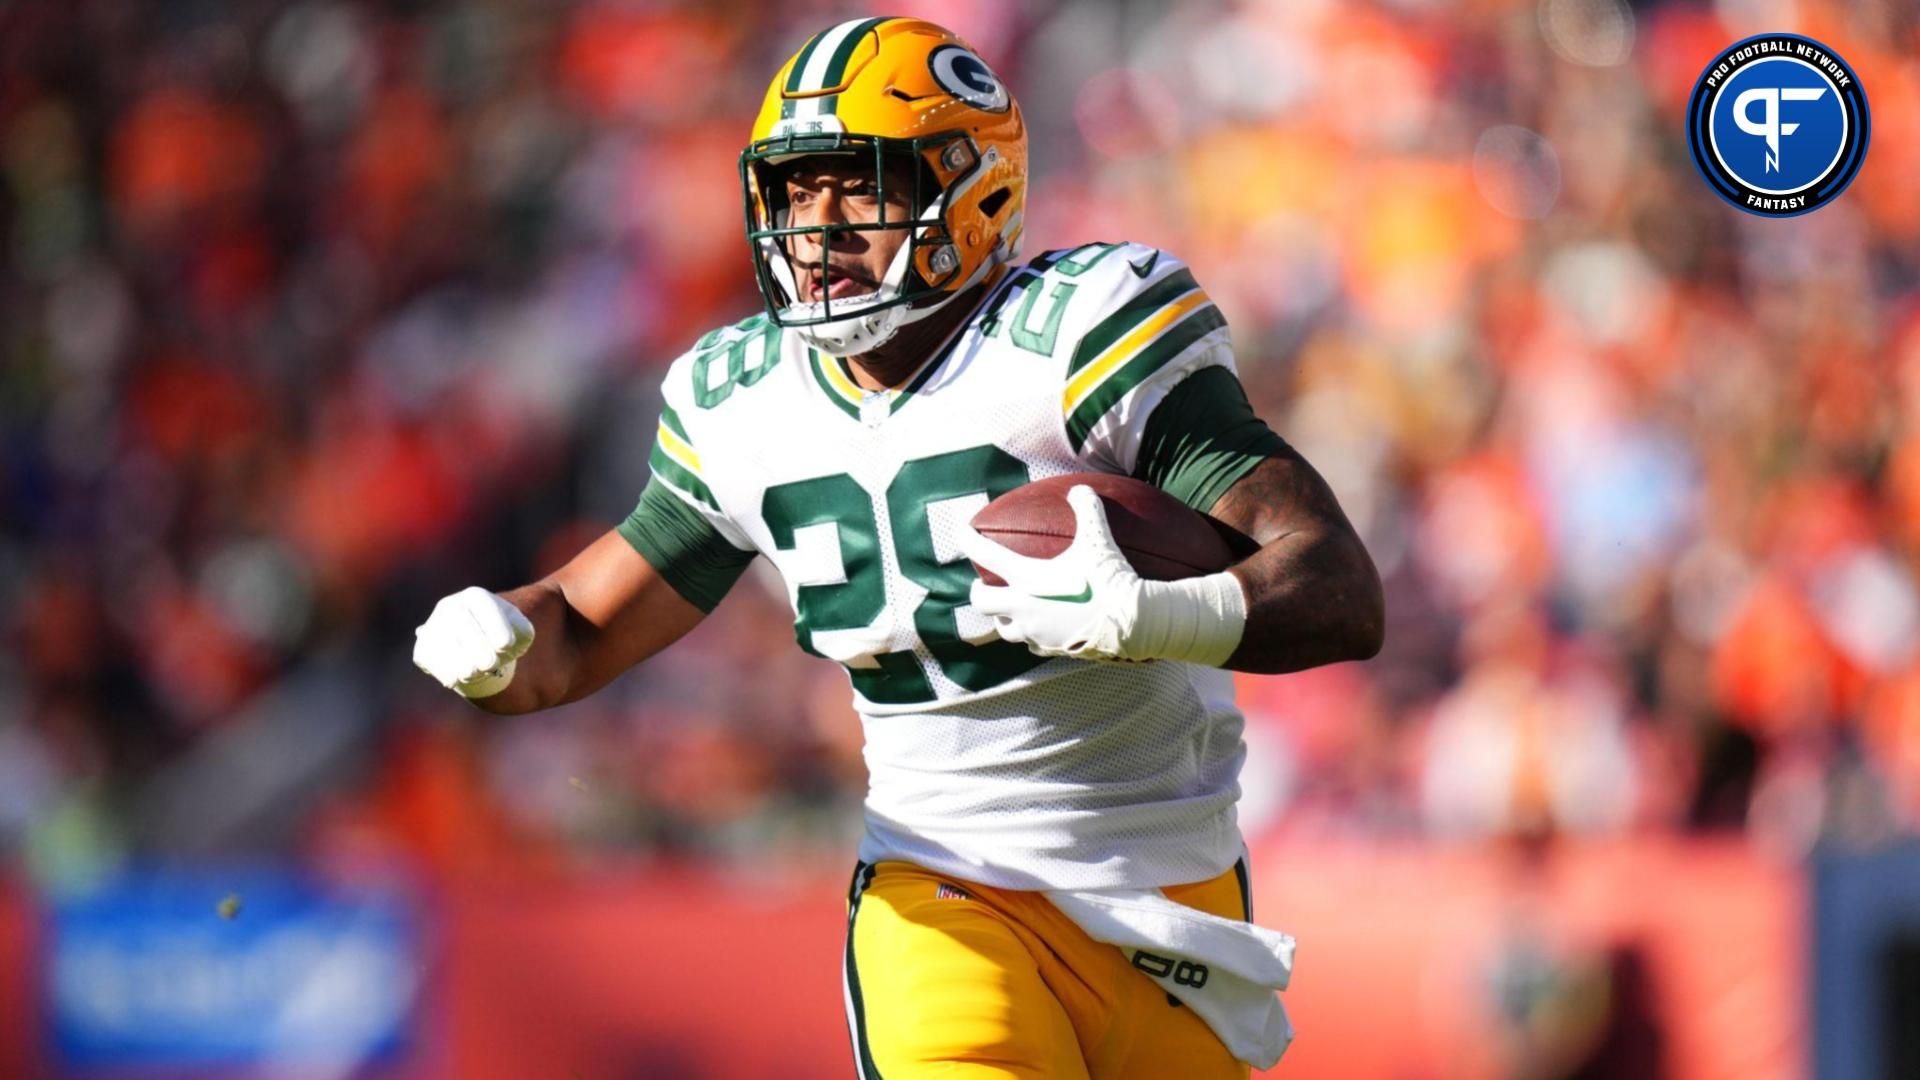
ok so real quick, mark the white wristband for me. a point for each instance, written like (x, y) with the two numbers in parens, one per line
(1199, 620)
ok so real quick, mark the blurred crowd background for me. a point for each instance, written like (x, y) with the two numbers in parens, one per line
(313, 312)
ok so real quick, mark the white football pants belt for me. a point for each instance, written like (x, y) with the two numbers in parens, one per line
(1244, 964)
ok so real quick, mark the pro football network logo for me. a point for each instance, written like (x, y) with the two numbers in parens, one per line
(1778, 125)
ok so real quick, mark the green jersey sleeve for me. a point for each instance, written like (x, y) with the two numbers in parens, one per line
(1202, 438)
(683, 546)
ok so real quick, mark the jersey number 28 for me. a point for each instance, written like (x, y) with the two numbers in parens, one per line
(861, 599)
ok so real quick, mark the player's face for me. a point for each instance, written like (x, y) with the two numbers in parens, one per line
(836, 190)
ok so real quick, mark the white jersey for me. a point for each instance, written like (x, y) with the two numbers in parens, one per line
(986, 762)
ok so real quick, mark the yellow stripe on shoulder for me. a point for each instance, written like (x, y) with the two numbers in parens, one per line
(1117, 354)
(678, 449)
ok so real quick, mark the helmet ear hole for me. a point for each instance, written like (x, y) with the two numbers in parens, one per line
(990, 206)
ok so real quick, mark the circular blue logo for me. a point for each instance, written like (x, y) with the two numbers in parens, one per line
(1778, 125)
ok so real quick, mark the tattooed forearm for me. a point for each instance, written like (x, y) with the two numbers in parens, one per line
(1313, 596)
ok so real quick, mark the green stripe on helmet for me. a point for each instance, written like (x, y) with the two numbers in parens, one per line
(800, 62)
(837, 67)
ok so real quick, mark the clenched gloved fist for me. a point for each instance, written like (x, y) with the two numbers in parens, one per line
(471, 642)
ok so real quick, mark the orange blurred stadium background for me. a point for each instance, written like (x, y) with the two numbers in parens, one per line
(317, 311)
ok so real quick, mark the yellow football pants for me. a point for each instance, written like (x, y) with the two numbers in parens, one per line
(950, 979)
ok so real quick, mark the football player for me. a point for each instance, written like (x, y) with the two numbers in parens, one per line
(1052, 882)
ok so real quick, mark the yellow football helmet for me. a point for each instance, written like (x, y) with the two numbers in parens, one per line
(893, 89)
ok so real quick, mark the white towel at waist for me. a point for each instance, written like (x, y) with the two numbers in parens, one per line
(1225, 970)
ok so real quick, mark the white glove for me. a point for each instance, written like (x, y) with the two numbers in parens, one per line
(1088, 602)
(471, 642)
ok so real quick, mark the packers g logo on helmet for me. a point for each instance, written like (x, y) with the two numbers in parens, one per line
(968, 78)
(888, 91)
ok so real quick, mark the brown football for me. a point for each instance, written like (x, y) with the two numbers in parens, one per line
(1162, 537)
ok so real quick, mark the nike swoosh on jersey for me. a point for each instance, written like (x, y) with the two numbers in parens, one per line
(1142, 269)
(1085, 594)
